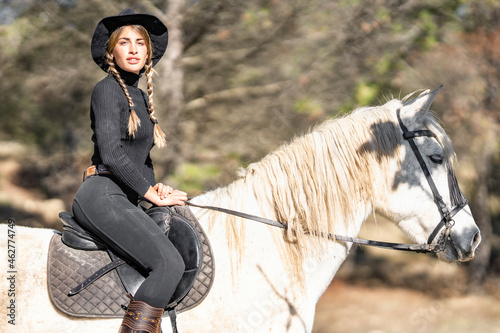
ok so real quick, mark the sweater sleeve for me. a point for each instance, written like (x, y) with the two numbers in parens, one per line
(149, 172)
(107, 109)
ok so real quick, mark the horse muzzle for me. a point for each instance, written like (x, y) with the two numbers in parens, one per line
(461, 245)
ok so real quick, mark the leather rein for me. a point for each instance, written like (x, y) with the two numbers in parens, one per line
(446, 222)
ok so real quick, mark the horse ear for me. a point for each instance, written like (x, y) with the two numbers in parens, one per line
(418, 107)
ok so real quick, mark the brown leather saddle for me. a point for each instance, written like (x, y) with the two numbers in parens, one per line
(85, 279)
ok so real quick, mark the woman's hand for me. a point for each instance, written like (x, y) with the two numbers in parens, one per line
(164, 195)
(163, 190)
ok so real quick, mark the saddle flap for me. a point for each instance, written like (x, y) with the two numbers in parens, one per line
(188, 242)
(76, 237)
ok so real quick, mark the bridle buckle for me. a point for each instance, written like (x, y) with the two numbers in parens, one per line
(444, 236)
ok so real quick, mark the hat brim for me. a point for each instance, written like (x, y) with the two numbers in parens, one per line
(158, 33)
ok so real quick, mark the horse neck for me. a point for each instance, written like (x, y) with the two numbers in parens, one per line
(318, 269)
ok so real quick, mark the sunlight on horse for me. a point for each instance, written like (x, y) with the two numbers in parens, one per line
(327, 181)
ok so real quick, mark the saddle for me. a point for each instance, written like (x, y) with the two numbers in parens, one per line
(86, 279)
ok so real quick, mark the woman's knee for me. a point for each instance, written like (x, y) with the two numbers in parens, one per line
(170, 263)
(176, 265)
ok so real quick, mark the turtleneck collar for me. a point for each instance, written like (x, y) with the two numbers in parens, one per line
(130, 79)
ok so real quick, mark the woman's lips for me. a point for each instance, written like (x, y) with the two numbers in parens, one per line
(133, 60)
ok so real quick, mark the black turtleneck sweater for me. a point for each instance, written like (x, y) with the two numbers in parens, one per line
(127, 158)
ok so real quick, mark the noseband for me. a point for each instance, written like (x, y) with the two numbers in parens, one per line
(457, 198)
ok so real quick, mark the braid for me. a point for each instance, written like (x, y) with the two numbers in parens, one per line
(159, 136)
(133, 121)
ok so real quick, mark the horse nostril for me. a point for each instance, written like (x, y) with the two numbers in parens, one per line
(475, 241)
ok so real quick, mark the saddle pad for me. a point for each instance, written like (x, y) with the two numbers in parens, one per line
(67, 267)
(104, 298)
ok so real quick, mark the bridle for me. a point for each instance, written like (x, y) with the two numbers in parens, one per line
(447, 215)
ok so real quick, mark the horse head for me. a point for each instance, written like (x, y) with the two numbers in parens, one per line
(423, 196)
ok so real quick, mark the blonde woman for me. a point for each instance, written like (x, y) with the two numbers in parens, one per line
(124, 125)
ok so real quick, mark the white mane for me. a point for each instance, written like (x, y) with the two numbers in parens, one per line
(313, 183)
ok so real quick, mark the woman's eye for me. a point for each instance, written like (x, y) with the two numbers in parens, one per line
(436, 158)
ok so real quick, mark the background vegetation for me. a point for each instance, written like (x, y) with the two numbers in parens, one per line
(239, 78)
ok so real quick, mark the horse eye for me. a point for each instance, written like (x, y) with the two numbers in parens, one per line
(436, 158)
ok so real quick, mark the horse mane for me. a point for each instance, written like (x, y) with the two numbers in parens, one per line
(314, 183)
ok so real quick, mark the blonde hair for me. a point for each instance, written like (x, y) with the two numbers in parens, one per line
(134, 122)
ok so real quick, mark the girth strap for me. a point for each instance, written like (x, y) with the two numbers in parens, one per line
(94, 277)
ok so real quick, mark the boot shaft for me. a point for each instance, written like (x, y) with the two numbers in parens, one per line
(141, 318)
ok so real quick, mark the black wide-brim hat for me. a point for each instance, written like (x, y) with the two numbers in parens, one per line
(158, 33)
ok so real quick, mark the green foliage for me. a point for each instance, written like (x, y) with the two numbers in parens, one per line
(383, 14)
(257, 17)
(309, 107)
(429, 30)
(385, 65)
(247, 76)
(193, 178)
(366, 93)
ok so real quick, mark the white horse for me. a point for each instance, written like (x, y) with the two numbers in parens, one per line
(269, 279)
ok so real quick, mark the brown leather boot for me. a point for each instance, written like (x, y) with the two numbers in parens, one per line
(141, 318)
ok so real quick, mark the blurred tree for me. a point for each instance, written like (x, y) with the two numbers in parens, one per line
(169, 84)
(466, 61)
(484, 45)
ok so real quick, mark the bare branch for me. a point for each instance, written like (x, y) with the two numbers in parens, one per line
(235, 94)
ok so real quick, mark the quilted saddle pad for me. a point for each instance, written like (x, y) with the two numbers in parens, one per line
(105, 297)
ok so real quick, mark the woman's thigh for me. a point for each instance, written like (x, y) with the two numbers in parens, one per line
(102, 207)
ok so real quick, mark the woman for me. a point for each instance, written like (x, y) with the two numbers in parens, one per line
(124, 131)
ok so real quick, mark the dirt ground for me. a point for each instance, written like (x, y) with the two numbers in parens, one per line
(384, 291)
(357, 309)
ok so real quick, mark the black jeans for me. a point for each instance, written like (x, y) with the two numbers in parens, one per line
(108, 210)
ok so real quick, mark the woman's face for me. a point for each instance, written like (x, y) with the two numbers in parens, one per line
(130, 52)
